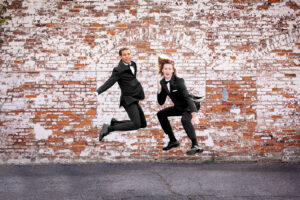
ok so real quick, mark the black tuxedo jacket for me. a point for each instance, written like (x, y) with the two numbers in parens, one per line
(178, 94)
(131, 88)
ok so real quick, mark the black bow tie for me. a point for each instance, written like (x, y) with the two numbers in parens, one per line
(166, 82)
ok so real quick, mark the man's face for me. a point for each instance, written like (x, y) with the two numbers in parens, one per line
(126, 56)
(168, 71)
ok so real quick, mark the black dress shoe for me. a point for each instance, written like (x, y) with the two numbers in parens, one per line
(104, 132)
(171, 145)
(113, 121)
(194, 149)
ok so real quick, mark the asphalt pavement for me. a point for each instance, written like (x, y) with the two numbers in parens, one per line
(148, 180)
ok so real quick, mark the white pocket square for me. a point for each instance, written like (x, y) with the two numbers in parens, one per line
(174, 90)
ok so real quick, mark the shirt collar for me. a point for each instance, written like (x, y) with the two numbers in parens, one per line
(126, 63)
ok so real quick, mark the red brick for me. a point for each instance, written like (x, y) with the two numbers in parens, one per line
(50, 116)
(149, 21)
(69, 83)
(121, 25)
(276, 89)
(247, 78)
(31, 96)
(63, 123)
(263, 7)
(79, 65)
(19, 62)
(133, 11)
(290, 75)
(51, 25)
(170, 50)
(111, 32)
(97, 25)
(78, 6)
(74, 10)
(92, 112)
(243, 47)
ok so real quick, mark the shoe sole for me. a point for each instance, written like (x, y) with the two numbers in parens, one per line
(193, 151)
(177, 145)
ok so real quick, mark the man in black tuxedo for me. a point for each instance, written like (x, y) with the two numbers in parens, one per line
(175, 88)
(131, 93)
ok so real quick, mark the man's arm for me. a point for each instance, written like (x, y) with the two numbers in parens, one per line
(161, 94)
(110, 82)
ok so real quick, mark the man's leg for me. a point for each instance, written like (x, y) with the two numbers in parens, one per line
(142, 117)
(188, 127)
(133, 124)
(114, 122)
(190, 130)
(164, 122)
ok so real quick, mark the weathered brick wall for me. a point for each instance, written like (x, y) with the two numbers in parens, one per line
(242, 55)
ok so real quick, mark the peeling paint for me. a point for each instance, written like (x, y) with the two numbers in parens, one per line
(224, 94)
(40, 133)
(235, 109)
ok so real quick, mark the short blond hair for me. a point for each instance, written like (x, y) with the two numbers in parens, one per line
(162, 60)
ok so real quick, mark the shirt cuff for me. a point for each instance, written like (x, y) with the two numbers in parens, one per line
(96, 93)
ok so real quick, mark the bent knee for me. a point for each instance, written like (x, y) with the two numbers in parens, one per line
(137, 125)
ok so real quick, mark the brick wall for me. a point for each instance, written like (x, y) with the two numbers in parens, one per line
(242, 55)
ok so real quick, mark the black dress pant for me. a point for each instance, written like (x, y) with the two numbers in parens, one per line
(136, 116)
(185, 120)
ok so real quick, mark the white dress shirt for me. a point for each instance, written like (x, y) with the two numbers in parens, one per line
(131, 67)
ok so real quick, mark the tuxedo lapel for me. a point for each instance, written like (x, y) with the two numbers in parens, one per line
(124, 66)
(135, 69)
(172, 83)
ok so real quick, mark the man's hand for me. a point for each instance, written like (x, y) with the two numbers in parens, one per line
(89, 98)
(195, 119)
